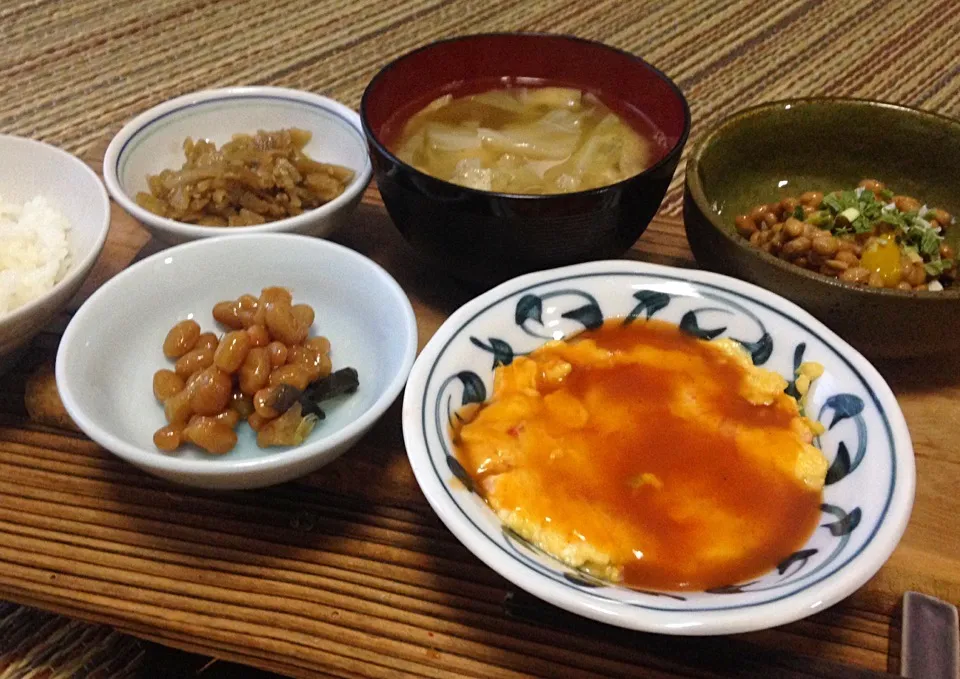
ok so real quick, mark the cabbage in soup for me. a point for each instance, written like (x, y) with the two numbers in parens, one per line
(523, 140)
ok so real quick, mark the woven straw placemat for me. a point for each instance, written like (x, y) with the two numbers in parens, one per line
(76, 71)
(35, 644)
(39, 645)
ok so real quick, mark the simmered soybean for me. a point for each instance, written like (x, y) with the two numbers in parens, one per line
(256, 372)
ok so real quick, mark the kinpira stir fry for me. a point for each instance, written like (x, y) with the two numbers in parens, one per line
(265, 370)
(250, 180)
(867, 236)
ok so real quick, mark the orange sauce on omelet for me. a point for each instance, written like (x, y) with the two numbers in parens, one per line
(661, 463)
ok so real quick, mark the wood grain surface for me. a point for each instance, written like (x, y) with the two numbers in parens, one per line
(347, 572)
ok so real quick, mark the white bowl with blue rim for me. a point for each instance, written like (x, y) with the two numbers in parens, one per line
(870, 485)
(112, 347)
(153, 142)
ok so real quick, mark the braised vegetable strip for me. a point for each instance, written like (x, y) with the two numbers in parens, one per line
(252, 179)
(866, 236)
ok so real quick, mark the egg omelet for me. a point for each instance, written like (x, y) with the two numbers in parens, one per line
(645, 456)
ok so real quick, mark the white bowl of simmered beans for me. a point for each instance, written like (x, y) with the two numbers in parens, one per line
(238, 362)
(300, 164)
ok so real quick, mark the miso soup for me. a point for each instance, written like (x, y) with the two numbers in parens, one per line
(532, 140)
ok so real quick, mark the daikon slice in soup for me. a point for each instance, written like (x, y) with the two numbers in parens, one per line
(527, 140)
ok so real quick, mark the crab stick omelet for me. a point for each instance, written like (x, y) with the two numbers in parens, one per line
(648, 457)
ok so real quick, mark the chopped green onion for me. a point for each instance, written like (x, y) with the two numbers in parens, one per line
(937, 266)
(821, 219)
(833, 203)
(929, 243)
(850, 214)
(842, 230)
(892, 218)
(886, 194)
(798, 212)
(912, 254)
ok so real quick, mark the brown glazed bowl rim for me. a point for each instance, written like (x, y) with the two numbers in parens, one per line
(670, 156)
(695, 189)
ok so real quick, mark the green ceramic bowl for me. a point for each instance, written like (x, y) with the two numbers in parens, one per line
(781, 149)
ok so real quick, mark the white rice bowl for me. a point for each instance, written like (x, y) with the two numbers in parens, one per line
(34, 251)
(44, 259)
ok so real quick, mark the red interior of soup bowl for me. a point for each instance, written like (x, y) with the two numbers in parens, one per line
(622, 80)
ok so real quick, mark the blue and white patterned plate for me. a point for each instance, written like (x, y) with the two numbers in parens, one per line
(870, 483)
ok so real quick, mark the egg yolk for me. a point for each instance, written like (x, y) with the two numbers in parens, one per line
(883, 257)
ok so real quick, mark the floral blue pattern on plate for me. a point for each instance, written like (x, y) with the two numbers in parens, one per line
(866, 501)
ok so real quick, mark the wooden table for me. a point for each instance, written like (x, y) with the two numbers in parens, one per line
(348, 573)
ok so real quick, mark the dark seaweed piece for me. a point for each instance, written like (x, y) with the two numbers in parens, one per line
(284, 397)
(308, 407)
(343, 381)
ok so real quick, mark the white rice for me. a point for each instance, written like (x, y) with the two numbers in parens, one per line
(34, 253)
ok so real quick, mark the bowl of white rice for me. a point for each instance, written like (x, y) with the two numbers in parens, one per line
(54, 218)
